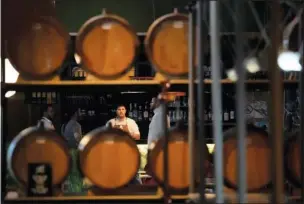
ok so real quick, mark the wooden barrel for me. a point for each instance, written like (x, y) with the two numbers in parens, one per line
(166, 45)
(108, 157)
(178, 158)
(35, 145)
(292, 159)
(38, 48)
(258, 159)
(107, 46)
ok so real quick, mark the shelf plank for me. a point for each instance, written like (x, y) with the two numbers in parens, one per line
(130, 82)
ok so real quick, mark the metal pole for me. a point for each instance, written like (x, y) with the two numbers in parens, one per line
(240, 104)
(275, 107)
(216, 100)
(191, 120)
(166, 138)
(301, 40)
(200, 40)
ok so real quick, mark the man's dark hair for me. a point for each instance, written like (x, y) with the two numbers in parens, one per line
(120, 105)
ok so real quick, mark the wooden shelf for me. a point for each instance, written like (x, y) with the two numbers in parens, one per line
(130, 82)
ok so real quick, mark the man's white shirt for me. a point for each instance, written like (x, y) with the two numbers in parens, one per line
(48, 124)
(132, 126)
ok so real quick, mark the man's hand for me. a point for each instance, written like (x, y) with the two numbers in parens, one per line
(135, 136)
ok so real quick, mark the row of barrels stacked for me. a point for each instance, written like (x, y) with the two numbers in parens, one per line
(107, 46)
(110, 158)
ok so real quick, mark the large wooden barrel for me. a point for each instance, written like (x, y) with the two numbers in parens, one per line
(292, 159)
(36, 145)
(108, 157)
(258, 158)
(107, 46)
(166, 45)
(178, 158)
(38, 47)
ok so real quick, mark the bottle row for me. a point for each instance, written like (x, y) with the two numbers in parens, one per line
(41, 98)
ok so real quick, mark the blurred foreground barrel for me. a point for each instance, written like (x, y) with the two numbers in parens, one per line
(178, 157)
(107, 46)
(166, 44)
(109, 158)
(292, 159)
(36, 145)
(38, 47)
(258, 158)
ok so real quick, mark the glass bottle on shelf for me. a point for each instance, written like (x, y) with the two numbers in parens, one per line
(49, 97)
(34, 97)
(43, 98)
(226, 115)
(39, 97)
(146, 112)
(130, 111)
(231, 115)
(135, 112)
(140, 113)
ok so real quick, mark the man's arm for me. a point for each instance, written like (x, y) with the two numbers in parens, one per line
(77, 132)
(135, 134)
(109, 124)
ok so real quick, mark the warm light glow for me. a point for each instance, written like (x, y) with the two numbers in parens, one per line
(9, 94)
(289, 61)
(210, 148)
(252, 65)
(11, 76)
(232, 75)
(77, 58)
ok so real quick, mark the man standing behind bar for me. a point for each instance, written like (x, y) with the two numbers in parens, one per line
(47, 117)
(124, 123)
(128, 125)
(155, 130)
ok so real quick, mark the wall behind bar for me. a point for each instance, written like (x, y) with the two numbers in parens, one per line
(141, 13)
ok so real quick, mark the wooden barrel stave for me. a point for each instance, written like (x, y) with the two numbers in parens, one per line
(38, 48)
(102, 40)
(258, 159)
(178, 166)
(38, 146)
(292, 154)
(109, 158)
(166, 45)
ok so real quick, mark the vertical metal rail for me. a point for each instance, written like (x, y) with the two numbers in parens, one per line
(166, 139)
(240, 104)
(301, 40)
(191, 119)
(200, 40)
(276, 108)
(216, 100)
(3, 115)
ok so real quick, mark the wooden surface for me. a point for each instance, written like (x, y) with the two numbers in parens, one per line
(125, 81)
(178, 158)
(170, 48)
(110, 161)
(292, 161)
(231, 197)
(107, 48)
(39, 47)
(38, 148)
(258, 157)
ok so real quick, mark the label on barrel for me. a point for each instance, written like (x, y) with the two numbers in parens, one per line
(39, 179)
